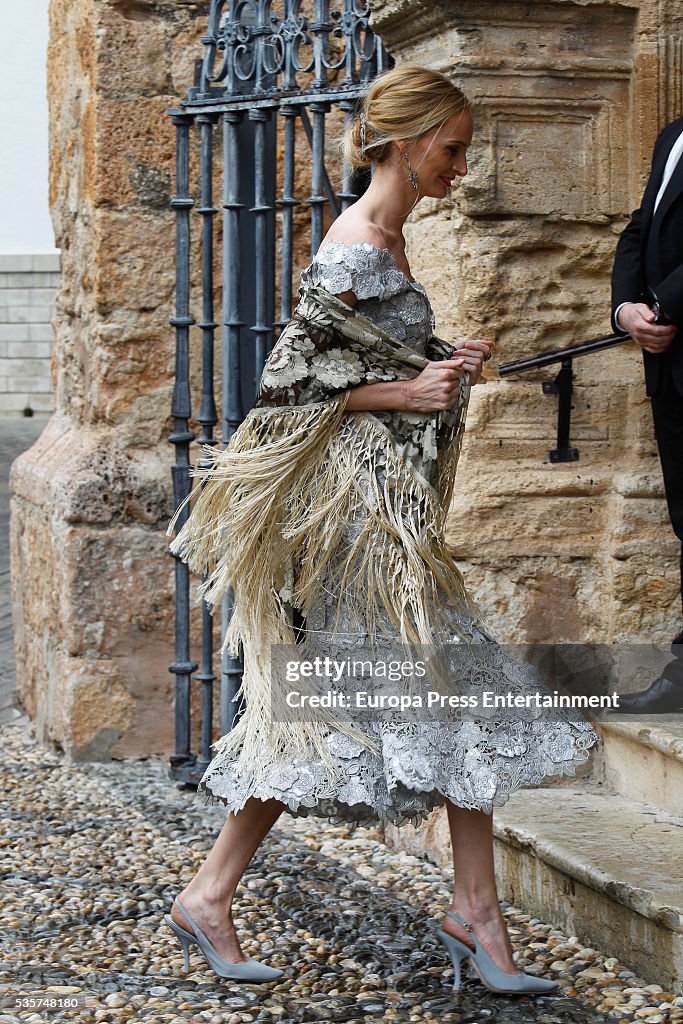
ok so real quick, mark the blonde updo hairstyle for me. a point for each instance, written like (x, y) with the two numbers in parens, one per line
(401, 105)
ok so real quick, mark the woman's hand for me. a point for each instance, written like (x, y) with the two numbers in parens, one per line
(474, 354)
(436, 387)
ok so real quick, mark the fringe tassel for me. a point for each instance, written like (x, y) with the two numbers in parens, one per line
(234, 538)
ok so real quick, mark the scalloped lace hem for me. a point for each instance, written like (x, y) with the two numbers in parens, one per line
(362, 799)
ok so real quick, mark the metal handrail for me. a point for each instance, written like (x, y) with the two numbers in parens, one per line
(562, 385)
(558, 354)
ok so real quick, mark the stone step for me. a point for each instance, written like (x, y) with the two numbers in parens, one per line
(642, 758)
(600, 866)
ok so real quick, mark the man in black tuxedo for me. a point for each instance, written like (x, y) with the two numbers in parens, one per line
(647, 303)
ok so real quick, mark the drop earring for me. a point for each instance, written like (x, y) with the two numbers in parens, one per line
(412, 176)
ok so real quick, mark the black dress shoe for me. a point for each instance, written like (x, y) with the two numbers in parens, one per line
(665, 694)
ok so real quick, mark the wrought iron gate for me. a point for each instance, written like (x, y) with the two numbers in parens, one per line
(263, 74)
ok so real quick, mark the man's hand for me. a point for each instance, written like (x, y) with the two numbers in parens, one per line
(638, 320)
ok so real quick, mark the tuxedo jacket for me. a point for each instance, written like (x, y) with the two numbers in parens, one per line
(648, 262)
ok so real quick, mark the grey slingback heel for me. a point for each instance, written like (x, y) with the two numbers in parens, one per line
(247, 970)
(495, 979)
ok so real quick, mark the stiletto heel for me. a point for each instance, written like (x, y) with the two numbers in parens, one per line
(185, 945)
(185, 939)
(458, 952)
(495, 979)
(246, 970)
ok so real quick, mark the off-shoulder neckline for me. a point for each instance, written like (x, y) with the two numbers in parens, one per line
(337, 241)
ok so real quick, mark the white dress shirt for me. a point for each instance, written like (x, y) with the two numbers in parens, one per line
(672, 161)
(669, 168)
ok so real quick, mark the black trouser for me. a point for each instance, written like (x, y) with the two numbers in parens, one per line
(667, 411)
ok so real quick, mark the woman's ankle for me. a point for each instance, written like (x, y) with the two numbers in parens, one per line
(210, 896)
(476, 910)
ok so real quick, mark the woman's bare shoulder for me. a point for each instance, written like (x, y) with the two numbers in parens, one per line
(355, 230)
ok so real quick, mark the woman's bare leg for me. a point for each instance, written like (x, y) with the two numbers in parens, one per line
(474, 894)
(208, 897)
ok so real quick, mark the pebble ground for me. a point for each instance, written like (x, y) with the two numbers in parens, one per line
(92, 854)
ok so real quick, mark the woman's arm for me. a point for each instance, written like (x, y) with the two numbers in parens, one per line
(436, 387)
(392, 395)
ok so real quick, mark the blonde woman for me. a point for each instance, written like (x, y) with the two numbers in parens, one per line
(326, 513)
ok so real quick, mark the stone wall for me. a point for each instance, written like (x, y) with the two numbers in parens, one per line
(28, 283)
(92, 579)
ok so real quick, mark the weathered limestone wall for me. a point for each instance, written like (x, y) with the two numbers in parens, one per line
(569, 98)
(92, 582)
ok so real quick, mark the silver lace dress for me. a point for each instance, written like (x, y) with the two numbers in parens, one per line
(475, 762)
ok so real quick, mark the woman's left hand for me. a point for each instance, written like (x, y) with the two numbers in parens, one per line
(474, 353)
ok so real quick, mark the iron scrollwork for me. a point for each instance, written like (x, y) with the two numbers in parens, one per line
(264, 48)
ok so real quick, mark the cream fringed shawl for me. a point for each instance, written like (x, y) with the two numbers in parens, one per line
(275, 506)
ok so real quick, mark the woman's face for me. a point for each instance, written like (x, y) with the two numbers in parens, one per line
(440, 155)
